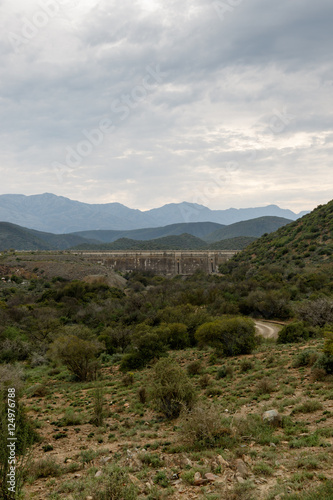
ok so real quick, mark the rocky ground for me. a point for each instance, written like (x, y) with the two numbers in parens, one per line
(255, 461)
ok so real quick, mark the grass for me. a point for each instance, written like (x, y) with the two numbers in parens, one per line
(238, 391)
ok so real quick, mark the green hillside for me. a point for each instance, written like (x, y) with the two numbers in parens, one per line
(198, 229)
(307, 241)
(181, 242)
(238, 243)
(254, 228)
(22, 238)
(12, 236)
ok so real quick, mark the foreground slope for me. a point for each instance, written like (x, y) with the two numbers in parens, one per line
(308, 240)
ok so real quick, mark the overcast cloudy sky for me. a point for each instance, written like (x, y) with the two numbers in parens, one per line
(224, 103)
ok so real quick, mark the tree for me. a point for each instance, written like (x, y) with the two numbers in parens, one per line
(170, 389)
(234, 336)
(78, 355)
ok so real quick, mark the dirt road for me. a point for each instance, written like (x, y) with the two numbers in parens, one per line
(268, 330)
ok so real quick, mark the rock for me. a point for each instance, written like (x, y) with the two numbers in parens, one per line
(98, 473)
(273, 417)
(198, 480)
(211, 477)
(134, 480)
(221, 461)
(104, 460)
(241, 468)
(240, 479)
(185, 461)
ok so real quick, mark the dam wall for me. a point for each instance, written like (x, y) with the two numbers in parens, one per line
(168, 262)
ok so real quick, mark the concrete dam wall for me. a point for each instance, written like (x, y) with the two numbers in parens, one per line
(168, 262)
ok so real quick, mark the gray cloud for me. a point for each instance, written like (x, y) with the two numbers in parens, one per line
(251, 87)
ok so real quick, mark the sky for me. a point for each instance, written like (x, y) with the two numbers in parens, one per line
(148, 102)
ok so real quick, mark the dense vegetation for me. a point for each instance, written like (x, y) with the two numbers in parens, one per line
(51, 325)
(185, 236)
(307, 241)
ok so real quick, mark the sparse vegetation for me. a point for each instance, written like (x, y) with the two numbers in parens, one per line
(142, 391)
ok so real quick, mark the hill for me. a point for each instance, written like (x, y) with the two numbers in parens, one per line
(22, 238)
(57, 214)
(232, 244)
(191, 236)
(19, 238)
(198, 229)
(253, 228)
(178, 242)
(307, 241)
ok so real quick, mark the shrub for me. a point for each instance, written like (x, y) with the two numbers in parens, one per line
(306, 358)
(202, 425)
(115, 486)
(235, 336)
(145, 347)
(11, 376)
(317, 312)
(328, 346)
(225, 371)
(308, 406)
(128, 379)
(324, 362)
(25, 434)
(204, 381)
(78, 355)
(46, 467)
(150, 459)
(98, 407)
(70, 418)
(176, 336)
(37, 391)
(194, 368)
(170, 388)
(253, 427)
(265, 386)
(318, 375)
(142, 393)
(294, 332)
(246, 365)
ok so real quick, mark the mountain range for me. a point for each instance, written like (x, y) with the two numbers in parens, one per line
(57, 214)
(186, 236)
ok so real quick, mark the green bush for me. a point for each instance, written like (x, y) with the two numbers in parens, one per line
(202, 425)
(224, 371)
(324, 362)
(306, 358)
(170, 388)
(194, 368)
(176, 336)
(328, 346)
(294, 332)
(78, 355)
(115, 486)
(145, 347)
(234, 336)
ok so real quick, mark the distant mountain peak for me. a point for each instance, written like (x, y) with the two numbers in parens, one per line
(58, 214)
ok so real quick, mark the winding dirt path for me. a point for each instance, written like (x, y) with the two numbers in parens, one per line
(267, 330)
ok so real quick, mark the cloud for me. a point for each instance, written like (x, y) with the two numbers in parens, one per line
(168, 95)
